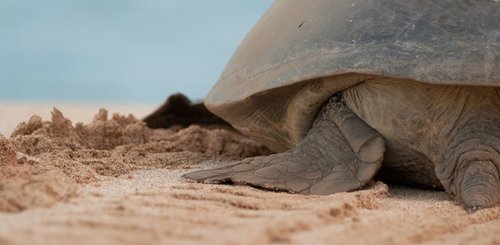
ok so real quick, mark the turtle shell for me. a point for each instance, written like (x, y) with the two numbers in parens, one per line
(301, 52)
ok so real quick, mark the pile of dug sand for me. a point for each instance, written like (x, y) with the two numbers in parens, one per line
(116, 181)
(43, 162)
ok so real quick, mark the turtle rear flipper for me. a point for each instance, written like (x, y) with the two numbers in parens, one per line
(340, 153)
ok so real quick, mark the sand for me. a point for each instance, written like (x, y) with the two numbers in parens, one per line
(13, 112)
(116, 181)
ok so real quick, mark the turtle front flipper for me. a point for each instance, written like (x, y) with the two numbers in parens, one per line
(339, 153)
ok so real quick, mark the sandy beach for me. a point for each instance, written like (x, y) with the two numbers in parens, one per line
(112, 180)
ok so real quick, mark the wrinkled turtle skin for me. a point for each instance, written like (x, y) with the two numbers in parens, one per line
(351, 86)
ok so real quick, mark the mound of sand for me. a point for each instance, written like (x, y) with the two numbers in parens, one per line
(43, 162)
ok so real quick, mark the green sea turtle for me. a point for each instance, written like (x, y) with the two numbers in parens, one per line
(342, 90)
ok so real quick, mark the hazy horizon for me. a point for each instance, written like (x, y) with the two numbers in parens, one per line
(118, 51)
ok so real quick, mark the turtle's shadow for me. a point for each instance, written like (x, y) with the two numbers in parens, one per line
(411, 193)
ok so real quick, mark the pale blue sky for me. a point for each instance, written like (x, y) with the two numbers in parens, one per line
(118, 50)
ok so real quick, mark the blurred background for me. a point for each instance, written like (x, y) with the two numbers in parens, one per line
(126, 55)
